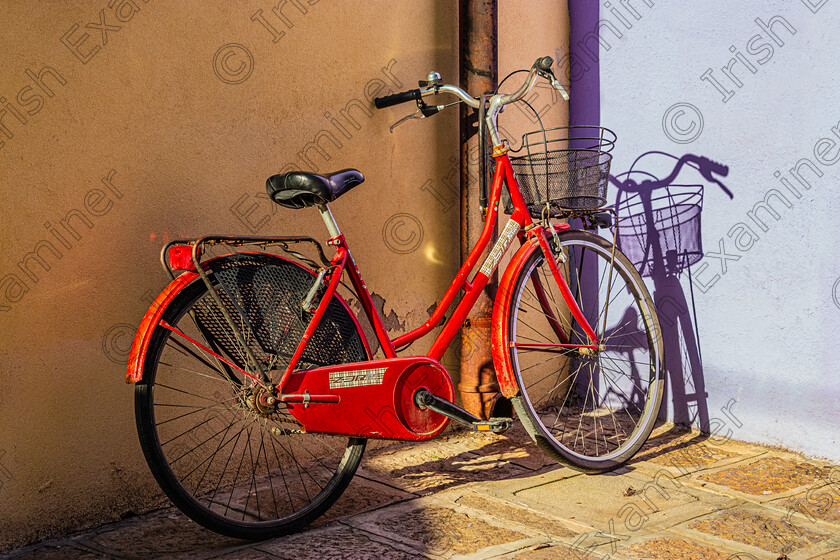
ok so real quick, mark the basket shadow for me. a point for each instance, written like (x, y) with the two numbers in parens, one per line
(659, 230)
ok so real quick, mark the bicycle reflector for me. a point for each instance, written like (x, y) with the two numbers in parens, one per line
(180, 257)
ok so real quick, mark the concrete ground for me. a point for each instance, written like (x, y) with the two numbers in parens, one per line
(684, 497)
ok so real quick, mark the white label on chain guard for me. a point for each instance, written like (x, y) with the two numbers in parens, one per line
(356, 378)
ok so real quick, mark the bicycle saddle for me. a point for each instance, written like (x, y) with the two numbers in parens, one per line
(298, 189)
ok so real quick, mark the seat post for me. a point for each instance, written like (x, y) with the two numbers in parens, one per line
(329, 221)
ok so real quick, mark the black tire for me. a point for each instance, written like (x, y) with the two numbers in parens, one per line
(592, 413)
(230, 469)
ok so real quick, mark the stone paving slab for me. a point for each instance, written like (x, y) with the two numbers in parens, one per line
(64, 551)
(470, 497)
(818, 502)
(545, 552)
(517, 514)
(762, 532)
(445, 462)
(766, 478)
(441, 528)
(661, 545)
(600, 498)
(247, 554)
(363, 494)
(514, 446)
(684, 452)
(168, 534)
(674, 548)
(690, 458)
(337, 542)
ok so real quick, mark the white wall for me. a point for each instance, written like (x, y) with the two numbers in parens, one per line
(766, 317)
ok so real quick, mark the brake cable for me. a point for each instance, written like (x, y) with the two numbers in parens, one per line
(424, 110)
(482, 157)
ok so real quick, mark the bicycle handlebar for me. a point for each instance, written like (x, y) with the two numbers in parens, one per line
(542, 66)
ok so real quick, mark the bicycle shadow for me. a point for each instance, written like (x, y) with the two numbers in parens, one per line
(659, 230)
(455, 458)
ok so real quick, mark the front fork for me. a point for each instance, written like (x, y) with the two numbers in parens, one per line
(540, 234)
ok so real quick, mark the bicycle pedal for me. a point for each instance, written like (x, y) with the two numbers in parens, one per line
(494, 425)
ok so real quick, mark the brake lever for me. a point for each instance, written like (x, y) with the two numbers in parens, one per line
(413, 115)
(424, 111)
(552, 79)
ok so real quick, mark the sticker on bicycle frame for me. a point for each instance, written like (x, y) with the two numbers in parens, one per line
(356, 378)
(511, 229)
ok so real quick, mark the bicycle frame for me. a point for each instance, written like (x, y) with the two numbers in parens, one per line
(520, 225)
(210, 354)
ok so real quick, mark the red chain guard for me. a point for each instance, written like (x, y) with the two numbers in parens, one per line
(375, 399)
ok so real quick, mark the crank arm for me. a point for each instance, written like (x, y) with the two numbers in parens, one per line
(425, 399)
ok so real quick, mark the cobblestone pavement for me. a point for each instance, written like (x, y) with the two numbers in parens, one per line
(684, 497)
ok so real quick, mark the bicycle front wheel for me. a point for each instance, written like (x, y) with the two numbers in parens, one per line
(221, 458)
(589, 410)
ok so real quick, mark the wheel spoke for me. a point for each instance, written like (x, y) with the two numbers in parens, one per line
(591, 407)
(244, 472)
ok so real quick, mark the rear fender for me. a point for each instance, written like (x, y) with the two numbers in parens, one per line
(137, 355)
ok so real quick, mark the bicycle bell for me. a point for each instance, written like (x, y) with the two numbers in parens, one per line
(433, 78)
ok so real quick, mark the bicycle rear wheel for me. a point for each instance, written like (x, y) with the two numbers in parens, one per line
(592, 412)
(225, 462)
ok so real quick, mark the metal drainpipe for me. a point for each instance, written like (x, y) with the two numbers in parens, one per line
(478, 386)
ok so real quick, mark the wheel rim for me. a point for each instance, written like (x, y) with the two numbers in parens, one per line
(593, 409)
(222, 461)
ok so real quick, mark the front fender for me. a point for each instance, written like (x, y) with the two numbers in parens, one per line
(499, 339)
(499, 333)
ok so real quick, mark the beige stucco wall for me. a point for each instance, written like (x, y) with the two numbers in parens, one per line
(114, 140)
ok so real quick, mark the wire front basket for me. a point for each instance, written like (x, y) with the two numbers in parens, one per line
(565, 168)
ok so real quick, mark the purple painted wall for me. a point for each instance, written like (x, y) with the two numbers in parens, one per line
(584, 77)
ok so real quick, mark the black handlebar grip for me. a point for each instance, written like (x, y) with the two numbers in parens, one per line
(396, 99)
(544, 63)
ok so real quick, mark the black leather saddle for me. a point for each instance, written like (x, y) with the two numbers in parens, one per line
(298, 189)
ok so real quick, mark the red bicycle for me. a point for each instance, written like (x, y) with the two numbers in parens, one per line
(256, 387)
